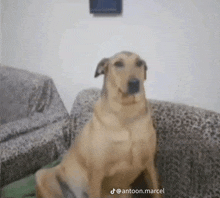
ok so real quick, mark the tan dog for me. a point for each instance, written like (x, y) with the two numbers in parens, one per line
(116, 145)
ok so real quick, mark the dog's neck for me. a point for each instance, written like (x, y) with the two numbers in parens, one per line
(124, 113)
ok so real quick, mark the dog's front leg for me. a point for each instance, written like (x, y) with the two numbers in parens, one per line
(151, 177)
(95, 182)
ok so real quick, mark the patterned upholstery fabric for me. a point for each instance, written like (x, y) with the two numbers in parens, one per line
(32, 123)
(188, 158)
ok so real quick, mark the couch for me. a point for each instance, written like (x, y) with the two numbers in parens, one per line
(188, 158)
(32, 123)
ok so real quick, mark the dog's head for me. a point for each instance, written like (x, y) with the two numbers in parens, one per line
(125, 72)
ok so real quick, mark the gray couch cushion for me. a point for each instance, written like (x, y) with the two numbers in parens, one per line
(188, 139)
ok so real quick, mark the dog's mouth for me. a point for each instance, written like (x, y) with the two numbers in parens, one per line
(123, 94)
(126, 98)
(127, 94)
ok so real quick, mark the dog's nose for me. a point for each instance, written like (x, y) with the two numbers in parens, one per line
(133, 86)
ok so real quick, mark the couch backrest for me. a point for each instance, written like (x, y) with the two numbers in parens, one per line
(16, 88)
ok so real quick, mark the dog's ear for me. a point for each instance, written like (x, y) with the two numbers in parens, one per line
(101, 67)
(145, 70)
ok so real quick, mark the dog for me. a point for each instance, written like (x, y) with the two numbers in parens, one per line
(116, 145)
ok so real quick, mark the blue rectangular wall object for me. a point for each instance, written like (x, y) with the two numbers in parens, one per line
(105, 6)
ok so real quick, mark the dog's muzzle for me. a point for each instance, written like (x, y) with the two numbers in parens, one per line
(133, 86)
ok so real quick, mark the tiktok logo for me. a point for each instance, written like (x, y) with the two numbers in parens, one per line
(118, 191)
(112, 191)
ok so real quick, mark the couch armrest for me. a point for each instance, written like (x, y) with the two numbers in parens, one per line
(44, 106)
(82, 110)
(186, 125)
(188, 157)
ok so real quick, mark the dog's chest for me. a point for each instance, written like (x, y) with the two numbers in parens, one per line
(128, 152)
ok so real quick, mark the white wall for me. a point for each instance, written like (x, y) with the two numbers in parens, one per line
(179, 39)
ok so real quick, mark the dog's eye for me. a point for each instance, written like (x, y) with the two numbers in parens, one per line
(139, 63)
(119, 64)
